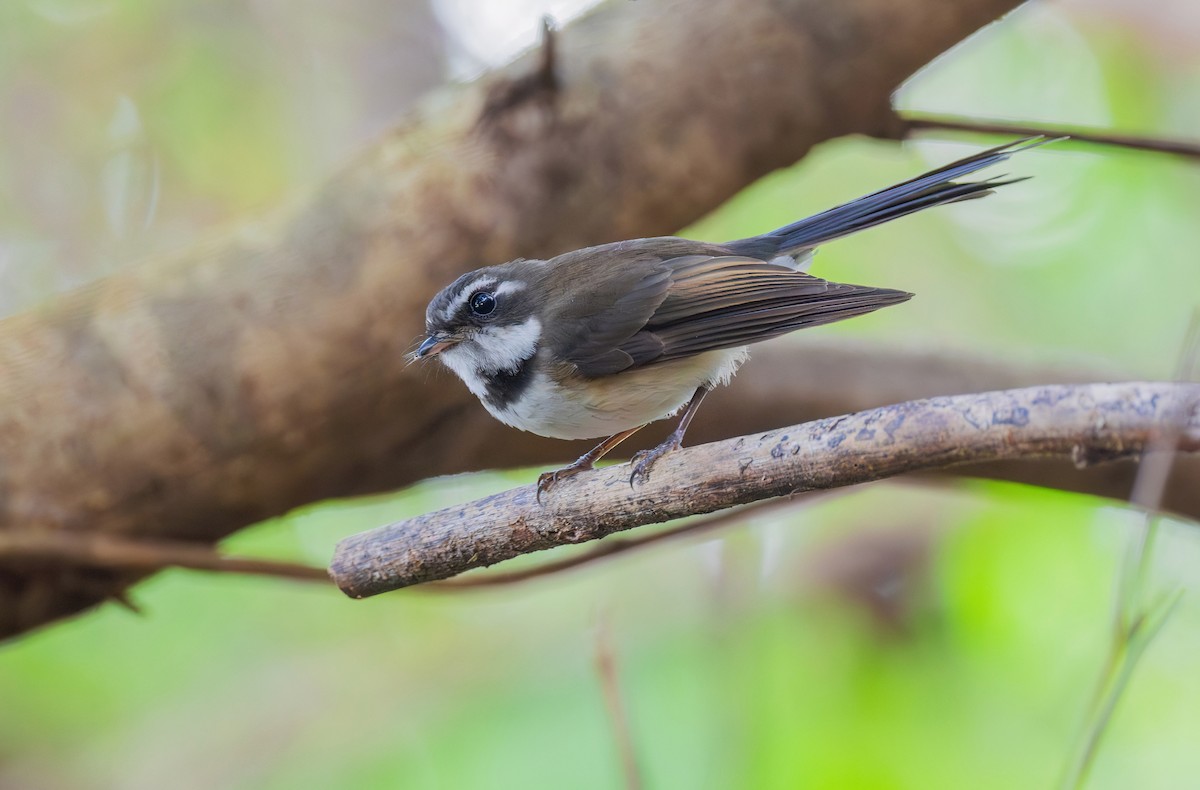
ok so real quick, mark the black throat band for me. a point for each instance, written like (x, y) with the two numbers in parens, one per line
(506, 386)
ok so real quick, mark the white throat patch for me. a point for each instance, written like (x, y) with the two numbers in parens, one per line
(493, 349)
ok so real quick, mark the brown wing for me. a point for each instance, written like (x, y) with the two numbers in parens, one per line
(715, 302)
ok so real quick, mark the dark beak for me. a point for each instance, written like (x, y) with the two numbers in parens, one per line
(434, 345)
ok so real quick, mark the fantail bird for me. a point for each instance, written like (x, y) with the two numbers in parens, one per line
(603, 340)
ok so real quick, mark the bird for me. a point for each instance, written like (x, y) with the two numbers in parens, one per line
(601, 341)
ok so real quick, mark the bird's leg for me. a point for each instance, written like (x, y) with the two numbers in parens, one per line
(585, 461)
(643, 460)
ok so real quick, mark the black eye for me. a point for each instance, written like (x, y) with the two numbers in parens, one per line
(482, 303)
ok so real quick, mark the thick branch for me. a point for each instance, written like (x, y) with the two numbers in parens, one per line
(264, 369)
(1086, 423)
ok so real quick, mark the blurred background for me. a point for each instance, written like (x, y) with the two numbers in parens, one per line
(892, 636)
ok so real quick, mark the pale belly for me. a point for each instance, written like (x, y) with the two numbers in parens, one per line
(590, 409)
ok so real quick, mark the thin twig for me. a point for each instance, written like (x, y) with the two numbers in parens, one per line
(1119, 671)
(606, 668)
(1088, 423)
(63, 547)
(1130, 635)
(1150, 485)
(922, 122)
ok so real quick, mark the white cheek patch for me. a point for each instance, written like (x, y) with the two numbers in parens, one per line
(491, 350)
(451, 310)
(506, 347)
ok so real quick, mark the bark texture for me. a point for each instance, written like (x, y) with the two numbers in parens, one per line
(264, 368)
(1085, 423)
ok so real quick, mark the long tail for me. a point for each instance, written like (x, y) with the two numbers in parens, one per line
(931, 189)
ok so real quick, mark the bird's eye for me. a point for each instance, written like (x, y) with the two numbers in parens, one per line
(482, 303)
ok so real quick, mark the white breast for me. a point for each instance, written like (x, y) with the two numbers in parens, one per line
(588, 409)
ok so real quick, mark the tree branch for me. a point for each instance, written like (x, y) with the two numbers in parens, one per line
(611, 548)
(1086, 423)
(56, 549)
(920, 122)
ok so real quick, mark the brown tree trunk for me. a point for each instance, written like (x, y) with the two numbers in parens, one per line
(264, 369)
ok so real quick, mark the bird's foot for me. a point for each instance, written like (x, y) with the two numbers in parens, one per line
(587, 461)
(644, 460)
(547, 480)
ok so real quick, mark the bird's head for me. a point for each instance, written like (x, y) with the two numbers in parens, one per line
(485, 322)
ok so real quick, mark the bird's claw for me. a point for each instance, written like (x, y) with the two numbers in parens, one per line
(547, 480)
(644, 460)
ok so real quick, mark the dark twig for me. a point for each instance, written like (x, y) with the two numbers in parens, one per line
(548, 68)
(540, 85)
(912, 122)
(91, 550)
(1089, 423)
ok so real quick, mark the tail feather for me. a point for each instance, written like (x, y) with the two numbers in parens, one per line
(934, 188)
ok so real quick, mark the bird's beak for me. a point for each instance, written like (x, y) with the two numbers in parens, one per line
(436, 344)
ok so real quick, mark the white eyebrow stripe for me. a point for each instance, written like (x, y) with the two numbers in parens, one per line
(510, 287)
(450, 310)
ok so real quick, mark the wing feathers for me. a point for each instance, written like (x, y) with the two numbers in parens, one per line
(600, 348)
(731, 328)
(705, 303)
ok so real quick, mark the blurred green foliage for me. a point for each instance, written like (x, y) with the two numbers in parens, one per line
(899, 637)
